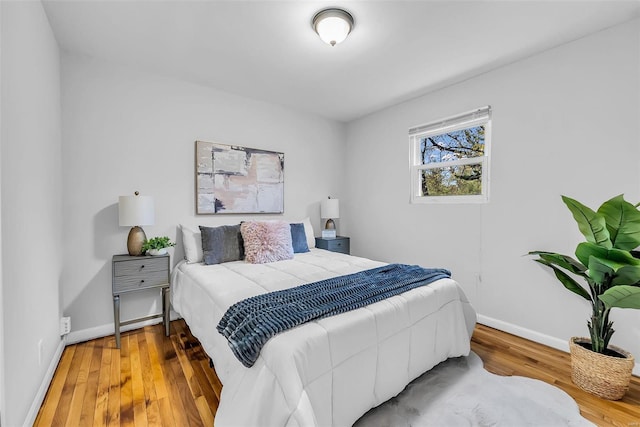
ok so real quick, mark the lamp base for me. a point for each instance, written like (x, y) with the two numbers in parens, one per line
(330, 225)
(135, 241)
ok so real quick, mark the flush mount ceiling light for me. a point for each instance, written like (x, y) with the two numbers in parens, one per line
(332, 25)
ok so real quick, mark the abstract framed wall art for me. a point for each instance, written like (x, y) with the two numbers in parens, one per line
(237, 180)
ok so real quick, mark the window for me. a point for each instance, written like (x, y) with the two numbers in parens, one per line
(450, 159)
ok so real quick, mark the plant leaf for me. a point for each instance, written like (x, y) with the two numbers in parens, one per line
(599, 268)
(621, 256)
(566, 280)
(585, 250)
(627, 275)
(622, 296)
(591, 224)
(623, 222)
(562, 261)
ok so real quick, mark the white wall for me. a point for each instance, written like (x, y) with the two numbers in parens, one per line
(2, 137)
(564, 122)
(31, 205)
(126, 130)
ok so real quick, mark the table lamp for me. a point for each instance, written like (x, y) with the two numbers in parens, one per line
(329, 209)
(135, 211)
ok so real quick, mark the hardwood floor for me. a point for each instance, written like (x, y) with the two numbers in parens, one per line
(166, 381)
(506, 354)
(152, 380)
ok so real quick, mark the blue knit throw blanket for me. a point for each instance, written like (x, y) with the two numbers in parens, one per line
(250, 323)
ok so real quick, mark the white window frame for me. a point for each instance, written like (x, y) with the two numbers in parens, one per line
(477, 117)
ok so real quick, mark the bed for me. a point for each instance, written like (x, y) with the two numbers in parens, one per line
(327, 372)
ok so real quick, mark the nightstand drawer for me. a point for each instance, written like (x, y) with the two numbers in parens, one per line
(142, 266)
(339, 244)
(134, 282)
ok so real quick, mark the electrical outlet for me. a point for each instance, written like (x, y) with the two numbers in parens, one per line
(65, 325)
(40, 352)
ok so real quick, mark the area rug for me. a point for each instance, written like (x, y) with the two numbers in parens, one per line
(460, 392)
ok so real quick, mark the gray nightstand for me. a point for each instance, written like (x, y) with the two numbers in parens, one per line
(339, 244)
(135, 273)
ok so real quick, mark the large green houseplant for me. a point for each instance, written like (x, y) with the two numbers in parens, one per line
(606, 263)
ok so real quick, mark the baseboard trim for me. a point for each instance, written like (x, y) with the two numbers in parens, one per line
(44, 386)
(548, 340)
(82, 335)
(554, 342)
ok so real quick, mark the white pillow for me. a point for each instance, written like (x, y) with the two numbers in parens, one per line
(308, 231)
(192, 242)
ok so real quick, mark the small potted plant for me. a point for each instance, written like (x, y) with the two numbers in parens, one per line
(157, 245)
(607, 264)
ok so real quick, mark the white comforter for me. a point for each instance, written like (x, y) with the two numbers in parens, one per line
(326, 372)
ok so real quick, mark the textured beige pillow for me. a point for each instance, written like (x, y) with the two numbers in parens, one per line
(266, 241)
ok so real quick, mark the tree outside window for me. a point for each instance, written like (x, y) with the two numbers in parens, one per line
(450, 159)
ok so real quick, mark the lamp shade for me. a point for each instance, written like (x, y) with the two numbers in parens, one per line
(330, 208)
(136, 210)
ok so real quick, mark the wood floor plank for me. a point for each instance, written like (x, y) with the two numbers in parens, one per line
(101, 417)
(62, 411)
(171, 377)
(137, 383)
(91, 393)
(205, 372)
(158, 378)
(198, 382)
(173, 391)
(126, 390)
(113, 405)
(154, 418)
(54, 394)
(79, 392)
(155, 351)
(184, 384)
(209, 392)
(212, 377)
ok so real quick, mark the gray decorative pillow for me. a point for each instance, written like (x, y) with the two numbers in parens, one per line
(222, 244)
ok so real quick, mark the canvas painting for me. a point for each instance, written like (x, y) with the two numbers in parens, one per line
(234, 179)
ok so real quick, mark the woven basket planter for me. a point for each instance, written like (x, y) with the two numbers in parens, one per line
(605, 376)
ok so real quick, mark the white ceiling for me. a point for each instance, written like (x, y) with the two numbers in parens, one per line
(267, 50)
